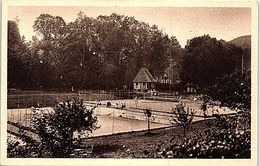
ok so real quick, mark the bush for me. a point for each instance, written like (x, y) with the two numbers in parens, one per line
(15, 148)
(56, 128)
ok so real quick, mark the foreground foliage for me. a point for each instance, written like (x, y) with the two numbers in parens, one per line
(230, 139)
(56, 128)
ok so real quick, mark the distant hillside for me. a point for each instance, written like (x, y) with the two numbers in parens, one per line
(245, 43)
(242, 41)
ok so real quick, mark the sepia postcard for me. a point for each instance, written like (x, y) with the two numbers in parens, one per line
(129, 82)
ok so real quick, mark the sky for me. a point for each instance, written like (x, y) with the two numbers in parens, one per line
(183, 23)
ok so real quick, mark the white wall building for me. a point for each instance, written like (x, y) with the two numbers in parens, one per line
(144, 80)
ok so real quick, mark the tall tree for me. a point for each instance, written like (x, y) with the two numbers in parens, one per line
(82, 60)
(52, 30)
(206, 59)
(18, 58)
(175, 60)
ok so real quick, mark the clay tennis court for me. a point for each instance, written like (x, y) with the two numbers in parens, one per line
(112, 120)
(108, 123)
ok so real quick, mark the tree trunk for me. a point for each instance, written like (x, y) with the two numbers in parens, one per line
(66, 145)
(70, 142)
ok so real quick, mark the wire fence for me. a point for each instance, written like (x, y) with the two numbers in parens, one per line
(112, 120)
(48, 99)
(27, 99)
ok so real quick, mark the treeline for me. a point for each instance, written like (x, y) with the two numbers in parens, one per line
(206, 59)
(107, 52)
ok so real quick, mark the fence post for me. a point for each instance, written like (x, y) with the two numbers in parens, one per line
(45, 104)
(20, 116)
(12, 117)
(132, 122)
(26, 117)
(113, 123)
(113, 95)
(18, 102)
(148, 120)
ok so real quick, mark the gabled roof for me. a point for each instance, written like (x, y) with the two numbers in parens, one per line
(144, 76)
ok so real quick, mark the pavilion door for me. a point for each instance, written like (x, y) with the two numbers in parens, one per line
(148, 86)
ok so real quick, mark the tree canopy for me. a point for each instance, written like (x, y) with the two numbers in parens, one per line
(106, 52)
(233, 90)
(103, 52)
(206, 59)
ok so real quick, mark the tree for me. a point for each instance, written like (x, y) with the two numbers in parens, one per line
(182, 117)
(56, 128)
(175, 60)
(203, 108)
(82, 56)
(19, 66)
(50, 27)
(148, 114)
(206, 59)
(233, 90)
(52, 30)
